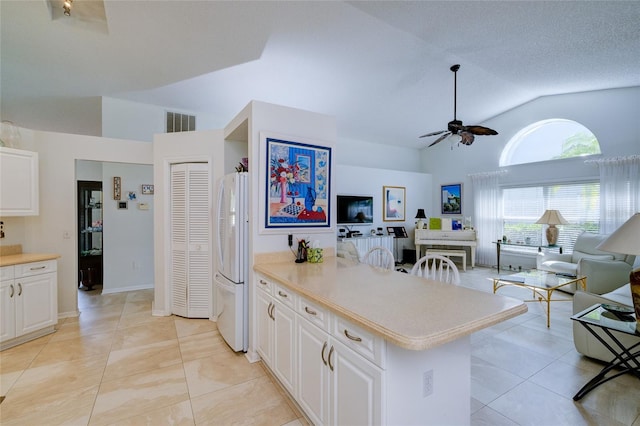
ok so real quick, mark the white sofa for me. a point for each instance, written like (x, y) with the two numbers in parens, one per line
(584, 341)
(605, 271)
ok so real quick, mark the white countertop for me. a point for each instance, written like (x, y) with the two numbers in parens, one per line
(408, 311)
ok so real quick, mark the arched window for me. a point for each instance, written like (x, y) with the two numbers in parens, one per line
(551, 139)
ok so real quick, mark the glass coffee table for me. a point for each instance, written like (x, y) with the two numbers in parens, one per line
(541, 283)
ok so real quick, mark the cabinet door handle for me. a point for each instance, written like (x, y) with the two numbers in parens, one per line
(271, 311)
(282, 294)
(12, 290)
(324, 347)
(263, 282)
(329, 358)
(19, 289)
(35, 268)
(310, 311)
(354, 338)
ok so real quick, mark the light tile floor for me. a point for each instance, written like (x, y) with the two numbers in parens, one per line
(118, 365)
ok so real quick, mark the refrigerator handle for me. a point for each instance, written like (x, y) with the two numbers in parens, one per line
(218, 216)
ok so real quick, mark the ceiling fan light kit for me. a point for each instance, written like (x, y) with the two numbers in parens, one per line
(455, 129)
(66, 6)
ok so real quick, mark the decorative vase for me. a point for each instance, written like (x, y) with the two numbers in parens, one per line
(552, 235)
(310, 199)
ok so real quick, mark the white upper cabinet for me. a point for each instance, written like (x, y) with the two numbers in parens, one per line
(18, 182)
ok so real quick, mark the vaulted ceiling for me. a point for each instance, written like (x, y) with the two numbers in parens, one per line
(382, 68)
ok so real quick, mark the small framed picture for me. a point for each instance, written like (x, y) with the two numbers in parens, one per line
(122, 205)
(451, 198)
(117, 187)
(147, 189)
(393, 203)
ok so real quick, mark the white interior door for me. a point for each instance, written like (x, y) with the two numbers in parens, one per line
(190, 240)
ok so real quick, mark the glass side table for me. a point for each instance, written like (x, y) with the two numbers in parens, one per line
(500, 243)
(626, 359)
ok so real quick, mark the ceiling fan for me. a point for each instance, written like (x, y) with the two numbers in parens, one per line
(456, 127)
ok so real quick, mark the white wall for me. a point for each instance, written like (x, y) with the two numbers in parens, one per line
(612, 115)
(125, 119)
(369, 181)
(128, 238)
(297, 125)
(378, 156)
(127, 234)
(45, 233)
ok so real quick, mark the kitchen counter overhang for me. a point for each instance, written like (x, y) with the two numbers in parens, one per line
(411, 312)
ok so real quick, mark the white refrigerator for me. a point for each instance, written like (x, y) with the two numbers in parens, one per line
(231, 288)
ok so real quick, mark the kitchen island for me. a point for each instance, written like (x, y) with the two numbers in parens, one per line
(354, 344)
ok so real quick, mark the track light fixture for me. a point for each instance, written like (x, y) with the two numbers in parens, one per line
(66, 6)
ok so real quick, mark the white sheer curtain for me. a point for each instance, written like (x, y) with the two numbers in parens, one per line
(619, 190)
(487, 200)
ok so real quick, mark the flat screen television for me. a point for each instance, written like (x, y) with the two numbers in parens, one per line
(354, 209)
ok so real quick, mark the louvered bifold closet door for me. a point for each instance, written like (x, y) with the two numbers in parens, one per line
(198, 233)
(190, 240)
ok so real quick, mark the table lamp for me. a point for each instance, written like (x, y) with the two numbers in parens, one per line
(626, 240)
(552, 218)
(420, 215)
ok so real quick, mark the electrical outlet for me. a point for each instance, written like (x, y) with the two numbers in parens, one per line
(427, 383)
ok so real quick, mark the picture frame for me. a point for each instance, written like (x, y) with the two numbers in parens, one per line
(451, 198)
(297, 183)
(147, 189)
(123, 205)
(393, 203)
(117, 188)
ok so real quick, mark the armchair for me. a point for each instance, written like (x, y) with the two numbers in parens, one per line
(605, 271)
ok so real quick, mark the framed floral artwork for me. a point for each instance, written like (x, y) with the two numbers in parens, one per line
(451, 198)
(297, 184)
(393, 201)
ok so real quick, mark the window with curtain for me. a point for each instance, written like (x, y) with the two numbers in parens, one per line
(579, 204)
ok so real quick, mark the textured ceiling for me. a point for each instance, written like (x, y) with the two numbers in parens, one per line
(382, 68)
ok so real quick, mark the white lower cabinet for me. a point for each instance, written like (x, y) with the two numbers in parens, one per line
(336, 385)
(356, 388)
(284, 349)
(276, 334)
(264, 327)
(331, 382)
(313, 372)
(29, 300)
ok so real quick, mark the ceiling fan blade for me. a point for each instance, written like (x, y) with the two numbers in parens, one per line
(433, 133)
(480, 130)
(440, 139)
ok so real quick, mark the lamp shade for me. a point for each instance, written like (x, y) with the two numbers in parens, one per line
(420, 214)
(552, 217)
(626, 239)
